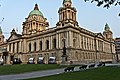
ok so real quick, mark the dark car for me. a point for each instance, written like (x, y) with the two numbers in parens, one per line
(31, 61)
(17, 61)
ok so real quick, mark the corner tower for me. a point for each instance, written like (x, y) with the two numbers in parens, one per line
(35, 22)
(1, 36)
(67, 14)
(107, 32)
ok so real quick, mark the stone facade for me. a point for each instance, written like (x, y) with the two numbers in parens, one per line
(117, 47)
(3, 46)
(82, 46)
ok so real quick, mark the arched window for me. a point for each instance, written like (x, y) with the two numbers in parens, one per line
(47, 44)
(29, 47)
(34, 46)
(40, 45)
(54, 43)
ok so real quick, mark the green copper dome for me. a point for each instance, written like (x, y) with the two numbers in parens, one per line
(107, 28)
(66, 1)
(0, 30)
(36, 11)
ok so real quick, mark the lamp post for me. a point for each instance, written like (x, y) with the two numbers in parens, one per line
(64, 55)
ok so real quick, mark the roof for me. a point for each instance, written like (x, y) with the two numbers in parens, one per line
(67, 1)
(107, 28)
(0, 30)
(36, 11)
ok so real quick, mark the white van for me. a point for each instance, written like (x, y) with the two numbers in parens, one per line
(52, 60)
(1, 61)
(31, 61)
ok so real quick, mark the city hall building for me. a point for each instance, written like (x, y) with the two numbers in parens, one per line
(67, 41)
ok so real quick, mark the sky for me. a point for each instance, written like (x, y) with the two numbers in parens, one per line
(89, 16)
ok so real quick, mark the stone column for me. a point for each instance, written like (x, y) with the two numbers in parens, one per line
(15, 48)
(8, 47)
(51, 42)
(57, 41)
(44, 43)
(25, 46)
(67, 39)
(32, 45)
(70, 39)
(61, 16)
(37, 44)
(20, 46)
(46, 58)
(80, 45)
(70, 14)
(8, 59)
(11, 48)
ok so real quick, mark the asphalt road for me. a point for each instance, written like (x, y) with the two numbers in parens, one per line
(34, 74)
(31, 75)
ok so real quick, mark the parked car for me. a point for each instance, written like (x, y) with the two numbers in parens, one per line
(1, 61)
(31, 61)
(52, 60)
(17, 61)
(40, 60)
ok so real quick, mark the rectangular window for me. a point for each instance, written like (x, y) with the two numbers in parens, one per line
(10, 47)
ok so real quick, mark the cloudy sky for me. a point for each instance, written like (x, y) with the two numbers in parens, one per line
(89, 16)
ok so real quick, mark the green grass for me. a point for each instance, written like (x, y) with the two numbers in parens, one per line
(104, 73)
(16, 69)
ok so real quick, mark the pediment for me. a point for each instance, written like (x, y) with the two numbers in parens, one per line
(14, 36)
(99, 35)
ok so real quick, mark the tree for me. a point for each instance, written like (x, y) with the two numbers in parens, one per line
(106, 3)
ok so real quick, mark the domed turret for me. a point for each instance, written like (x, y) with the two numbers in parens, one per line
(67, 15)
(107, 32)
(107, 28)
(1, 36)
(67, 3)
(0, 30)
(36, 11)
(35, 22)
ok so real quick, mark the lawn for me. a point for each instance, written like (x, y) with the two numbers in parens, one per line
(103, 73)
(16, 69)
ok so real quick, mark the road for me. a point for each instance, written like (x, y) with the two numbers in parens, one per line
(31, 75)
(34, 74)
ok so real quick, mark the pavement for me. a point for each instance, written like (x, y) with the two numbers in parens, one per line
(34, 74)
(31, 75)
(40, 73)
